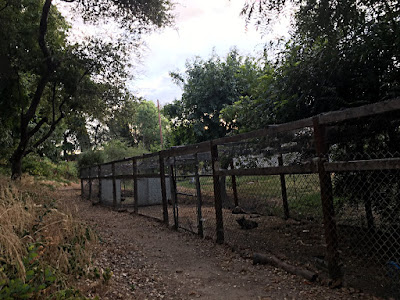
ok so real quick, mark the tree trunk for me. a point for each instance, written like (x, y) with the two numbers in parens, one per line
(25, 133)
(16, 165)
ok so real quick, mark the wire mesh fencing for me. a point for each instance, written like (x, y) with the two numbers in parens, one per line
(321, 194)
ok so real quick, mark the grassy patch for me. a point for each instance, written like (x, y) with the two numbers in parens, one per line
(42, 249)
(45, 169)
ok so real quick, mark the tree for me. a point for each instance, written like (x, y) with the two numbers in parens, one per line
(341, 54)
(146, 126)
(45, 79)
(255, 107)
(208, 87)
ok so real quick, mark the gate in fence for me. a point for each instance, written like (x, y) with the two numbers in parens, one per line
(322, 192)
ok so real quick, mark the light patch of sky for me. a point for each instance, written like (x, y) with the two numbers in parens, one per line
(200, 27)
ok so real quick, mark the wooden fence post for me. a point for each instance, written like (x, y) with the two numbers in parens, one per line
(234, 186)
(82, 188)
(200, 230)
(328, 209)
(90, 183)
(135, 186)
(283, 189)
(217, 194)
(100, 182)
(174, 197)
(163, 188)
(114, 184)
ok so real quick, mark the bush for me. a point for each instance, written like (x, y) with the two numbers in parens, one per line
(90, 158)
(41, 247)
(37, 166)
(116, 149)
(44, 167)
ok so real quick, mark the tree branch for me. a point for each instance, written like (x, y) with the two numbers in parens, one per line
(51, 129)
(42, 33)
(5, 6)
(37, 127)
(45, 120)
(51, 66)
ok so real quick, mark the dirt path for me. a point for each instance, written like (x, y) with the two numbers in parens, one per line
(150, 261)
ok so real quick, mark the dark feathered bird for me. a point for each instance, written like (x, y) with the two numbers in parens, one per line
(246, 224)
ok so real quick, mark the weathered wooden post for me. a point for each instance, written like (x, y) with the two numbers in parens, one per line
(328, 210)
(114, 183)
(100, 181)
(283, 190)
(82, 188)
(163, 188)
(90, 183)
(174, 197)
(135, 186)
(200, 230)
(234, 186)
(217, 194)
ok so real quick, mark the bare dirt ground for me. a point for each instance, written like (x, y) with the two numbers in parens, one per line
(151, 261)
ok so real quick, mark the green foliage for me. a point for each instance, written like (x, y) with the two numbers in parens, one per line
(341, 54)
(116, 149)
(44, 167)
(136, 124)
(71, 294)
(90, 158)
(57, 250)
(147, 127)
(113, 150)
(37, 278)
(44, 78)
(209, 87)
(107, 274)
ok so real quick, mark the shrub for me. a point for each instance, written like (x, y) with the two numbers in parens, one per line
(116, 149)
(44, 167)
(38, 166)
(90, 158)
(40, 246)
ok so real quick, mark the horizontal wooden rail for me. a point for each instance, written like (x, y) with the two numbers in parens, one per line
(363, 165)
(191, 176)
(295, 169)
(186, 150)
(269, 130)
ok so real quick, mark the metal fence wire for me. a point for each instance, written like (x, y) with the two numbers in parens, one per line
(321, 194)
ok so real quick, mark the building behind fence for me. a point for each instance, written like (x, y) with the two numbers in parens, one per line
(322, 193)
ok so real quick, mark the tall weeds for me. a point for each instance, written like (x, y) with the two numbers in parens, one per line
(38, 239)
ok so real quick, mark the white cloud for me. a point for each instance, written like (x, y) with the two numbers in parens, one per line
(201, 25)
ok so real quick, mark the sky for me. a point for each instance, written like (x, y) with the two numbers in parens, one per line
(200, 27)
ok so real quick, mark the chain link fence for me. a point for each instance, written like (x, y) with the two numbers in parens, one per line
(321, 194)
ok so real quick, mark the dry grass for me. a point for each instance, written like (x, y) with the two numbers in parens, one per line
(29, 216)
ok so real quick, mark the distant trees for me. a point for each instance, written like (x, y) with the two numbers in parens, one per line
(341, 54)
(44, 79)
(208, 87)
(136, 123)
